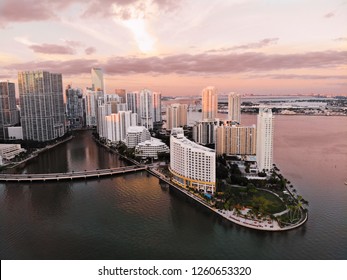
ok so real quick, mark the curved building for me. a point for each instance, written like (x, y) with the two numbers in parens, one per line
(192, 165)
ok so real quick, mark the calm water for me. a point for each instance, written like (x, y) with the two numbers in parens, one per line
(133, 217)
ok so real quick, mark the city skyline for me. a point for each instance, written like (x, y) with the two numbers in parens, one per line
(250, 47)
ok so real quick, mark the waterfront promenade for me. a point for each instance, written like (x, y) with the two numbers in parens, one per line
(232, 215)
(70, 175)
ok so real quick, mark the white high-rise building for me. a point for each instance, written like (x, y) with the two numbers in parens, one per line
(124, 123)
(136, 135)
(157, 107)
(97, 79)
(176, 115)
(265, 134)
(209, 103)
(112, 128)
(92, 99)
(42, 105)
(122, 107)
(234, 107)
(192, 165)
(146, 108)
(151, 148)
(103, 111)
(116, 125)
(133, 102)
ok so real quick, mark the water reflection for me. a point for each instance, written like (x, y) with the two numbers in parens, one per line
(49, 199)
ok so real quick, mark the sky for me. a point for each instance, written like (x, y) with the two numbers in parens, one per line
(179, 47)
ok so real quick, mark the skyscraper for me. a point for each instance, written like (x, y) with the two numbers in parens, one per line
(146, 108)
(97, 79)
(74, 107)
(204, 132)
(236, 140)
(42, 105)
(265, 133)
(234, 107)
(209, 103)
(132, 100)
(8, 108)
(92, 99)
(156, 107)
(121, 93)
(192, 165)
(176, 115)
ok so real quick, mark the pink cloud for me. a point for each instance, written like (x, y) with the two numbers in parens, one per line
(22, 11)
(255, 45)
(73, 43)
(341, 39)
(52, 49)
(300, 77)
(199, 64)
(224, 63)
(71, 67)
(33, 10)
(329, 15)
(125, 8)
(104, 7)
(90, 50)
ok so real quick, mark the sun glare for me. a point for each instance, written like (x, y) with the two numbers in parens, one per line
(143, 39)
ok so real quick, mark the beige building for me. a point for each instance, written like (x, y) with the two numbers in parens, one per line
(234, 107)
(176, 115)
(236, 140)
(209, 103)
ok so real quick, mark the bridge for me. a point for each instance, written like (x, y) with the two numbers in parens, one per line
(70, 175)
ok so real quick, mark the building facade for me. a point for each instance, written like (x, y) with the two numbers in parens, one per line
(136, 135)
(121, 94)
(192, 165)
(9, 151)
(74, 107)
(8, 108)
(132, 101)
(92, 100)
(204, 132)
(151, 148)
(97, 79)
(176, 115)
(234, 107)
(157, 107)
(209, 103)
(146, 108)
(236, 140)
(42, 105)
(265, 134)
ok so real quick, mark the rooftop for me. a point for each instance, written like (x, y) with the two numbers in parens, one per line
(133, 129)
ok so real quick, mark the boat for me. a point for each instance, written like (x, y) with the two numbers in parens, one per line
(346, 183)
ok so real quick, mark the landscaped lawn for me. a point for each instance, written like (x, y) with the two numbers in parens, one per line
(259, 200)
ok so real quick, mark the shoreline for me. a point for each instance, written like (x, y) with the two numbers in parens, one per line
(36, 153)
(231, 215)
(234, 216)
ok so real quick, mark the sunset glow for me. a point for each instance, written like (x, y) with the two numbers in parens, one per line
(180, 47)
